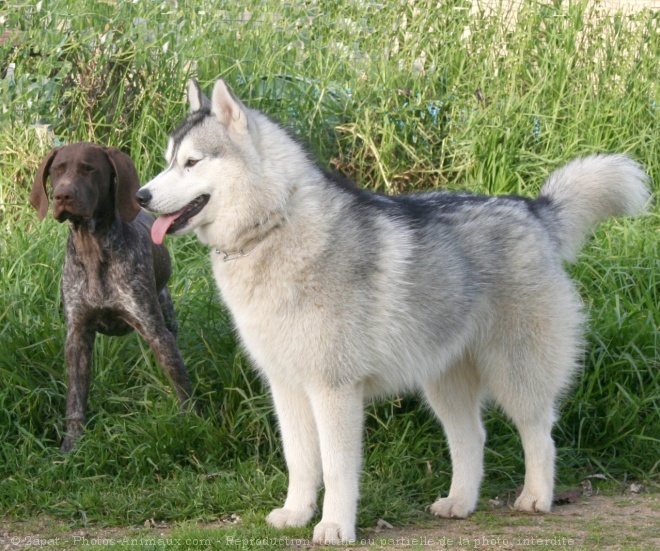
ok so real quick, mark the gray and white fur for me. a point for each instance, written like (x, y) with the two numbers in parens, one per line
(341, 295)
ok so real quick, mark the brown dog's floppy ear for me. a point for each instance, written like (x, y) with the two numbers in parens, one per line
(127, 183)
(38, 195)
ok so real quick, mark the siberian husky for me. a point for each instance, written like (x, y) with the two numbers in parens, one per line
(341, 295)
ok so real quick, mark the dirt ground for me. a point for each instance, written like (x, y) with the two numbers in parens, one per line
(629, 521)
(623, 522)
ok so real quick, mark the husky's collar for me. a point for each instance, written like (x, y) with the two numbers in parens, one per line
(263, 230)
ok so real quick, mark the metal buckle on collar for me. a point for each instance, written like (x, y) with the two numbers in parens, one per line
(227, 257)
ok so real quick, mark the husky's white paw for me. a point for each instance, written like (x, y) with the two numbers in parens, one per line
(282, 518)
(532, 503)
(329, 533)
(451, 507)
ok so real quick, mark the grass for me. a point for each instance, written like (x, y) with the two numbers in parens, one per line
(398, 98)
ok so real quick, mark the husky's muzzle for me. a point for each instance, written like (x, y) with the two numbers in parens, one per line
(168, 223)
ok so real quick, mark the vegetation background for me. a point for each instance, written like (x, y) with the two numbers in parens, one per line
(399, 96)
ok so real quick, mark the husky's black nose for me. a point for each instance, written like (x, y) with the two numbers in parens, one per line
(143, 197)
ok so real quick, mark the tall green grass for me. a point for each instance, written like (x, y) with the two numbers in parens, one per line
(399, 97)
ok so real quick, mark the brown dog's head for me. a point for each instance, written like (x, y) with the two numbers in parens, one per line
(87, 180)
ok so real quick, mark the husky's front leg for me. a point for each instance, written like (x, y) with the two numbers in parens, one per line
(303, 458)
(339, 414)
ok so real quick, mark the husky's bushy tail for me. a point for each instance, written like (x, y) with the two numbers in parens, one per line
(589, 190)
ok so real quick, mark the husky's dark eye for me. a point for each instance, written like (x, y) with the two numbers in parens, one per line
(190, 163)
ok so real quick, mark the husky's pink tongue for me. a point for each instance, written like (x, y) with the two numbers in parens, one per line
(161, 225)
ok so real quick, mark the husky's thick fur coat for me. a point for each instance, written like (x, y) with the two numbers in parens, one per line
(341, 295)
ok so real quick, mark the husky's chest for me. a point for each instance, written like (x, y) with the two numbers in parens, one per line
(281, 315)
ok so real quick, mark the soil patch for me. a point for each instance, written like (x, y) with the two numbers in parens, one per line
(630, 521)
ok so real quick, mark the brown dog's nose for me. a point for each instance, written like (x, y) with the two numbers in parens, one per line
(62, 195)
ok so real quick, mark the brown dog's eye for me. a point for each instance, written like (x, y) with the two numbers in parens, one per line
(190, 163)
(57, 169)
(86, 168)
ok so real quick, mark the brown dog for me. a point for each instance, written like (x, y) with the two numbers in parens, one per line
(114, 278)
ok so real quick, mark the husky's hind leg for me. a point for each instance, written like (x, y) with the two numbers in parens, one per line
(456, 399)
(539, 449)
(532, 411)
(302, 453)
(527, 365)
(526, 383)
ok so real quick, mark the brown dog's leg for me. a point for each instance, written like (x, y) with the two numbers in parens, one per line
(167, 306)
(163, 345)
(78, 351)
(153, 328)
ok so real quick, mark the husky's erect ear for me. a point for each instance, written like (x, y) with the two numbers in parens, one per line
(227, 108)
(196, 97)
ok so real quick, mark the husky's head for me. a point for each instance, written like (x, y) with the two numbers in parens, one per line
(213, 183)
